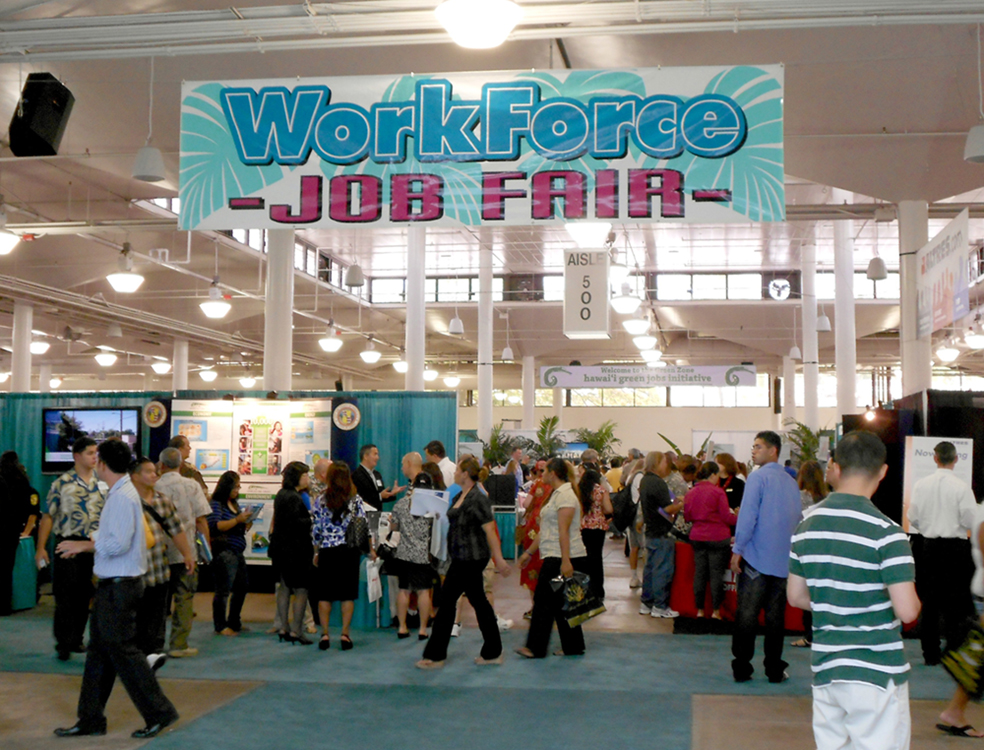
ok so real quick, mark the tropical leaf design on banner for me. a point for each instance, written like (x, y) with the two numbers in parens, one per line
(211, 172)
(462, 180)
(581, 85)
(754, 173)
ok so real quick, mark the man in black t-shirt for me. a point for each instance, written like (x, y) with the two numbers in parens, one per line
(369, 482)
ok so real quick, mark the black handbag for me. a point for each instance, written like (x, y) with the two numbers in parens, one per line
(357, 534)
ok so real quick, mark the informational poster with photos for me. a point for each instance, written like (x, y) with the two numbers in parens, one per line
(310, 431)
(262, 433)
(259, 497)
(208, 427)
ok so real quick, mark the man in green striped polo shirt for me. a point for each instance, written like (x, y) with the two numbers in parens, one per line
(852, 566)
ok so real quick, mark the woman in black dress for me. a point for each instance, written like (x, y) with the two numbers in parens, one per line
(291, 550)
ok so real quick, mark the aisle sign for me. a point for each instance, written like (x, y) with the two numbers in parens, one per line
(586, 295)
(919, 464)
(515, 148)
(944, 277)
(633, 376)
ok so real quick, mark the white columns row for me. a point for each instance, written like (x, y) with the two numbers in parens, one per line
(20, 366)
(811, 369)
(414, 338)
(484, 393)
(845, 335)
(278, 334)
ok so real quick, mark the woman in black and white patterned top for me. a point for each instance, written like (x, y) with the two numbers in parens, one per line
(413, 567)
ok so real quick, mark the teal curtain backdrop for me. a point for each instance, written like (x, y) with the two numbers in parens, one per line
(396, 421)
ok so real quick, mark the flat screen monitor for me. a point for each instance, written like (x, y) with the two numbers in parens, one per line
(62, 427)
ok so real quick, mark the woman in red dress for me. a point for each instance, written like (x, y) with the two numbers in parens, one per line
(530, 530)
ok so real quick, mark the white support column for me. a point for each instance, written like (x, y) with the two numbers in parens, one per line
(917, 354)
(788, 389)
(20, 363)
(845, 334)
(529, 393)
(278, 336)
(485, 334)
(811, 366)
(416, 308)
(179, 366)
(558, 406)
(44, 378)
(347, 380)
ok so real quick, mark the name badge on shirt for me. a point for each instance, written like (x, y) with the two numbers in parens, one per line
(379, 482)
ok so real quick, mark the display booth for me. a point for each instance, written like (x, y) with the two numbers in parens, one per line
(299, 425)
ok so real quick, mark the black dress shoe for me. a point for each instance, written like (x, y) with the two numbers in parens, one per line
(64, 654)
(152, 730)
(80, 730)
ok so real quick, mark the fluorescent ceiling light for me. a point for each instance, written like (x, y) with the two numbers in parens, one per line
(645, 341)
(626, 303)
(215, 307)
(39, 347)
(330, 343)
(161, 368)
(125, 281)
(208, 375)
(636, 326)
(8, 242)
(478, 24)
(452, 381)
(401, 366)
(430, 375)
(947, 353)
(106, 359)
(247, 382)
(589, 234)
(370, 355)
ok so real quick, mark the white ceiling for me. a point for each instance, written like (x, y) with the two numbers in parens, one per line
(877, 108)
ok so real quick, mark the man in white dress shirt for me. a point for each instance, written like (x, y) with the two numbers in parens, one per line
(941, 515)
(435, 453)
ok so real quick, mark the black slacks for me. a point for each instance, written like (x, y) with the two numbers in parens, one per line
(546, 610)
(944, 569)
(71, 583)
(113, 651)
(594, 544)
(464, 577)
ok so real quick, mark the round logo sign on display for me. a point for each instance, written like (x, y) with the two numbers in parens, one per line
(154, 414)
(346, 416)
(779, 289)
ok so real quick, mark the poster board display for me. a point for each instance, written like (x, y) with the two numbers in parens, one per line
(208, 427)
(310, 431)
(919, 463)
(258, 536)
(260, 438)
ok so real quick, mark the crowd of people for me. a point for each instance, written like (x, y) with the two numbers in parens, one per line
(128, 536)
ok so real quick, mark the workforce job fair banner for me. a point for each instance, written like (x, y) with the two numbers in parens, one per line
(464, 149)
(631, 376)
(944, 277)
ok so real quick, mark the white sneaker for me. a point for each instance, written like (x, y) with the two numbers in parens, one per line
(455, 630)
(645, 609)
(666, 613)
(636, 582)
(504, 624)
(156, 661)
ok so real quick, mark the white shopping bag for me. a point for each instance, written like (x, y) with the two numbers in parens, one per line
(374, 586)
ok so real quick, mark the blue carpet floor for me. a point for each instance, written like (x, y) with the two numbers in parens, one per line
(374, 697)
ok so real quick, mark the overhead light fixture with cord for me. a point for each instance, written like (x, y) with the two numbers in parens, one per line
(823, 322)
(161, 368)
(331, 343)
(626, 303)
(794, 352)
(507, 353)
(370, 355)
(8, 240)
(149, 164)
(354, 276)
(125, 281)
(478, 24)
(208, 375)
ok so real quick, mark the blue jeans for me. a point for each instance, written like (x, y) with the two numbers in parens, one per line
(229, 570)
(660, 564)
(758, 591)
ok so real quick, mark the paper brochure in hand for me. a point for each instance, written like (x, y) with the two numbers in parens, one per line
(424, 501)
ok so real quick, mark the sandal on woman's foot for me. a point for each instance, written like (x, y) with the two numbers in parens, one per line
(325, 643)
(401, 636)
(482, 662)
(422, 636)
(528, 614)
(525, 653)
(801, 643)
(429, 664)
(347, 644)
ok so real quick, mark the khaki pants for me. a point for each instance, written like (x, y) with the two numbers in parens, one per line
(183, 587)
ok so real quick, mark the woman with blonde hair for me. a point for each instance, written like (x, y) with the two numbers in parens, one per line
(563, 551)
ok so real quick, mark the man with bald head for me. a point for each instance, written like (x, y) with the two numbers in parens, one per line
(319, 479)
(412, 463)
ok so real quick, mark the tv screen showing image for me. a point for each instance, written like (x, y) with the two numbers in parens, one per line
(62, 427)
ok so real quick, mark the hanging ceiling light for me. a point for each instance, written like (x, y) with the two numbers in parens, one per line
(588, 234)
(215, 306)
(106, 359)
(55, 383)
(877, 271)
(795, 353)
(401, 365)
(655, 363)
(354, 276)
(974, 338)
(4, 376)
(331, 343)
(947, 352)
(478, 24)
(456, 327)
(114, 331)
(974, 148)
(823, 322)
(8, 241)
(208, 375)
(651, 355)
(430, 374)
(636, 325)
(161, 368)
(646, 341)
(452, 381)
(149, 164)
(626, 303)
(247, 382)
(125, 281)
(370, 355)
(39, 347)
(507, 354)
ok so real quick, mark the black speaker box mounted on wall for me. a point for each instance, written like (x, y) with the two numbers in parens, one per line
(41, 116)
